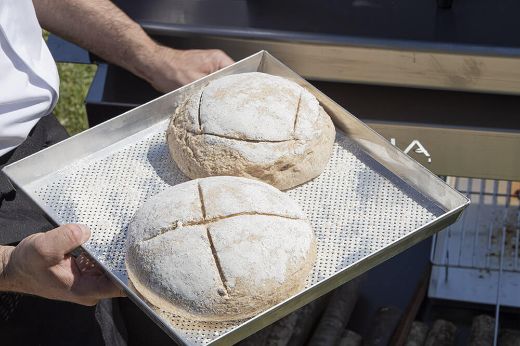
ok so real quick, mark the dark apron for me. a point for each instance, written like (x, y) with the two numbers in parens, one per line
(28, 320)
(19, 216)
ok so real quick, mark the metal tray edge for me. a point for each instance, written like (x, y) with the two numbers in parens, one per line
(109, 132)
(459, 201)
(346, 274)
(390, 156)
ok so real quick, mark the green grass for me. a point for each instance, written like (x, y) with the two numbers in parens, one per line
(75, 80)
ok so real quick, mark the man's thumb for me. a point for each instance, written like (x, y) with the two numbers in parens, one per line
(62, 240)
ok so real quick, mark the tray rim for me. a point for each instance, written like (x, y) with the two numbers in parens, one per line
(71, 150)
(292, 303)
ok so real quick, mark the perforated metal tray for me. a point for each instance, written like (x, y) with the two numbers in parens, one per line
(371, 202)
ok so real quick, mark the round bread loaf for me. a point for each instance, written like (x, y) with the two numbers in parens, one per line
(252, 125)
(219, 248)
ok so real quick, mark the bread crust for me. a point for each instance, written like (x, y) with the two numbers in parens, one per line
(237, 248)
(274, 131)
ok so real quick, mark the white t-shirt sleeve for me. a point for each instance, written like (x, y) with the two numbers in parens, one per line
(29, 82)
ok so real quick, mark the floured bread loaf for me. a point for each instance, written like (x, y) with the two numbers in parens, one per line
(253, 125)
(219, 248)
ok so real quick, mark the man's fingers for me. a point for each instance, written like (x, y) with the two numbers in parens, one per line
(58, 242)
(109, 289)
(224, 60)
(96, 287)
(197, 76)
(105, 288)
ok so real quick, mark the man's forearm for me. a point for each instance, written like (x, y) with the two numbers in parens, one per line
(102, 28)
(5, 284)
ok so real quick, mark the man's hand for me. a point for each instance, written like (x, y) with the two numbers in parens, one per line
(102, 28)
(41, 265)
(174, 68)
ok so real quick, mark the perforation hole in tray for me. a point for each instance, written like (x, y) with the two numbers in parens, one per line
(354, 210)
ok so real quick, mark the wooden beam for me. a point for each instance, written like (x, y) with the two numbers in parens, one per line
(384, 66)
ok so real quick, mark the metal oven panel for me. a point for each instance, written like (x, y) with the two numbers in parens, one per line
(371, 202)
(477, 259)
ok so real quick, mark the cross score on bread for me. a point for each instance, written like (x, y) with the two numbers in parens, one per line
(221, 248)
(252, 125)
